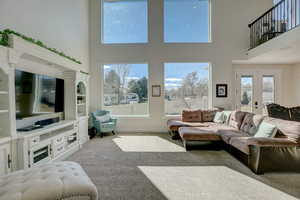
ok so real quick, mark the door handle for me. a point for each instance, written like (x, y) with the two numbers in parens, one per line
(8, 161)
(256, 104)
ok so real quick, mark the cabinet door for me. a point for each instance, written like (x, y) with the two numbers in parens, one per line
(83, 130)
(5, 157)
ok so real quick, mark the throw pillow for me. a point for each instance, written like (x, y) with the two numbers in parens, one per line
(251, 123)
(295, 114)
(208, 115)
(226, 115)
(266, 130)
(192, 116)
(104, 118)
(236, 119)
(219, 118)
(278, 111)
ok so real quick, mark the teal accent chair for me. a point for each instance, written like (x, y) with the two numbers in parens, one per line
(103, 127)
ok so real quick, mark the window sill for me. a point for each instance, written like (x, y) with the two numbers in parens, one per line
(131, 116)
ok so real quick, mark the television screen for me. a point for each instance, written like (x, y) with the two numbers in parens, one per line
(37, 94)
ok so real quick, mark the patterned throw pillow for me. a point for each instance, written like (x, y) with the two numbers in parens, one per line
(192, 116)
(208, 115)
(236, 119)
(251, 123)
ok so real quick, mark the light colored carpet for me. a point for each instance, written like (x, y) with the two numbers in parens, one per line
(209, 183)
(146, 144)
(117, 176)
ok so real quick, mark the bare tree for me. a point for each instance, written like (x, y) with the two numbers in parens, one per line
(123, 71)
(190, 82)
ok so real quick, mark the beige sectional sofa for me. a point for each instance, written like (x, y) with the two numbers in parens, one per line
(279, 153)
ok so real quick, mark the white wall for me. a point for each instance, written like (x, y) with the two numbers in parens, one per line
(286, 82)
(60, 24)
(230, 41)
(296, 85)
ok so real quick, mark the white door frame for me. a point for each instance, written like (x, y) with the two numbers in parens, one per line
(257, 75)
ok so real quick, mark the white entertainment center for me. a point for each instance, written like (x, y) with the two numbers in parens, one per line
(24, 149)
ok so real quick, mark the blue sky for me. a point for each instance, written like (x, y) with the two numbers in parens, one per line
(126, 21)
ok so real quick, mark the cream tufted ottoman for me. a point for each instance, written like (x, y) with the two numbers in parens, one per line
(55, 181)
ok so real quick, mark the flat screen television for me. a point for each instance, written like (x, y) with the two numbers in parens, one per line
(38, 94)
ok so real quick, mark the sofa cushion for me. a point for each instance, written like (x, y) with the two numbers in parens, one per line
(266, 130)
(199, 134)
(227, 134)
(175, 124)
(236, 119)
(192, 116)
(251, 123)
(208, 115)
(240, 143)
(286, 129)
(278, 111)
(203, 133)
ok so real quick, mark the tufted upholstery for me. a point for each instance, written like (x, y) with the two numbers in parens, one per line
(55, 181)
(192, 116)
(209, 115)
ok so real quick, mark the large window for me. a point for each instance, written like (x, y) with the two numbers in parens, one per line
(187, 21)
(186, 87)
(126, 89)
(124, 21)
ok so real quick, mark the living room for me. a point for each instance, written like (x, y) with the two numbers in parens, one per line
(161, 76)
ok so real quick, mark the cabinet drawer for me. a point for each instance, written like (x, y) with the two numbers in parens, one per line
(59, 140)
(34, 141)
(58, 150)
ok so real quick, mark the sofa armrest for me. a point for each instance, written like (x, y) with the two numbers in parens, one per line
(271, 142)
(114, 120)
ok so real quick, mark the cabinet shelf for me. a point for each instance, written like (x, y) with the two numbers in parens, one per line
(3, 92)
(3, 111)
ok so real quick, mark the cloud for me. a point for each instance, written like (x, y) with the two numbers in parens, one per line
(132, 78)
(173, 79)
(172, 85)
(106, 67)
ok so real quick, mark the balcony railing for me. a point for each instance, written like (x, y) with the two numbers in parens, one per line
(284, 16)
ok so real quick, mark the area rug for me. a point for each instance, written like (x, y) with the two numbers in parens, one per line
(209, 183)
(146, 144)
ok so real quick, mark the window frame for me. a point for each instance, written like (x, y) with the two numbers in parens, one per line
(118, 43)
(102, 71)
(210, 84)
(190, 43)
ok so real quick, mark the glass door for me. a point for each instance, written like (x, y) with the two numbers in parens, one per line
(256, 89)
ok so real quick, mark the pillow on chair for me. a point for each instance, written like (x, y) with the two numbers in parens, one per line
(104, 118)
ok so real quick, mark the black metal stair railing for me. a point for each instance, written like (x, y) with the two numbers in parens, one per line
(284, 16)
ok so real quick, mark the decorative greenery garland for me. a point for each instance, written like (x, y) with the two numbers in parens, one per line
(4, 41)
